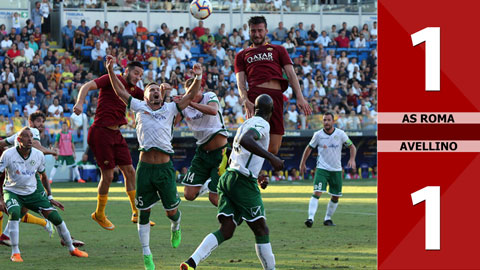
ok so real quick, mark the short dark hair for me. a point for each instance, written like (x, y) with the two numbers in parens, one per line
(257, 20)
(330, 113)
(151, 83)
(36, 115)
(134, 64)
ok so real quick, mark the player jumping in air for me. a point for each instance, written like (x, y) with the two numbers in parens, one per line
(106, 140)
(21, 163)
(204, 117)
(66, 152)
(239, 195)
(329, 143)
(261, 66)
(155, 172)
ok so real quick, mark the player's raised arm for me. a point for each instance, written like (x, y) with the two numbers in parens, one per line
(242, 90)
(210, 108)
(248, 141)
(293, 80)
(89, 86)
(116, 83)
(193, 89)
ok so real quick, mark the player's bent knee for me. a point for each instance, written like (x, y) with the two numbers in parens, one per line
(213, 197)
(53, 216)
(14, 214)
(335, 199)
(171, 212)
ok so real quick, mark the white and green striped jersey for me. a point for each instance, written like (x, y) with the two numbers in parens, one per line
(205, 126)
(242, 160)
(20, 176)
(330, 148)
(154, 127)
(12, 140)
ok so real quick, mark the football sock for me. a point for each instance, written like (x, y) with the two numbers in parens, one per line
(264, 239)
(76, 173)
(175, 220)
(131, 197)
(52, 172)
(64, 234)
(331, 207)
(29, 218)
(13, 226)
(55, 218)
(144, 217)
(265, 254)
(312, 207)
(208, 245)
(101, 203)
(144, 236)
(218, 234)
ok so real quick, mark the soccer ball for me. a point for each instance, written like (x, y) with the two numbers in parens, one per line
(201, 9)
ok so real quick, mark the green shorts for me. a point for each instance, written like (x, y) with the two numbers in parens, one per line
(69, 160)
(334, 180)
(205, 165)
(36, 202)
(239, 197)
(156, 182)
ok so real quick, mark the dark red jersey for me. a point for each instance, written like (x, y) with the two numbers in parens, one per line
(263, 64)
(111, 109)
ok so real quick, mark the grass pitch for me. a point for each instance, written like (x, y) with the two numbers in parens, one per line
(352, 244)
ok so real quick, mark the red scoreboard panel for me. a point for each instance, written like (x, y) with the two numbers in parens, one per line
(428, 134)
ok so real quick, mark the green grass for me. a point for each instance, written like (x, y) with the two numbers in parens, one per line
(351, 244)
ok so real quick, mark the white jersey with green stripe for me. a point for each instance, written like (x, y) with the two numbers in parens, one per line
(154, 127)
(205, 126)
(244, 161)
(12, 140)
(21, 171)
(330, 148)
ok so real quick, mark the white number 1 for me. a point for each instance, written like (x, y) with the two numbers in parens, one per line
(431, 196)
(431, 37)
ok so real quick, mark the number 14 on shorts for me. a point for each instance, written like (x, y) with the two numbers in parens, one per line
(431, 196)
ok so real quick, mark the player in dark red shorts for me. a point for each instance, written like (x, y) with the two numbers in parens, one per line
(106, 141)
(262, 65)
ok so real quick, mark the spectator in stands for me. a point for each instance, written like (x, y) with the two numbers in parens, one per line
(360, 42)
(67, 33)
(32, 95)
(29, 52)
(47, 101)
(342, 40)
(373, 32)
(323, 40)
(365, 32)
(280, 33)
(5, 45)
(7, 77)
(55, 110)
(30, 108)
(312, 33)
(90, 4)
(16, 22)
(97, 58)
(130, 31)
(83, 29)
(13, 33)
(182, 52)
(37, 15)
(45, 10)
(235, 40)
(13, 51)
(303, 33)
(142, 31)
(353, 122)
(199, 30)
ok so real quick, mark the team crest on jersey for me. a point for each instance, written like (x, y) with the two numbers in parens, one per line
(269, 49)
(32, 162)
(325, 146)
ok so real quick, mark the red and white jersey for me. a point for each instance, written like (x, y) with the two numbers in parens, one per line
(263, 63)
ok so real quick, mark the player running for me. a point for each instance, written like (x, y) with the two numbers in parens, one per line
(66, 153)
(239, 195)
(21, 164)
(329, 143)
(155, 173)
(261, 66)
(204, 117)
(106, 141)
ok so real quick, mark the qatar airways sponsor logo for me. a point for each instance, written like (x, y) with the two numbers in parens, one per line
(260, 57)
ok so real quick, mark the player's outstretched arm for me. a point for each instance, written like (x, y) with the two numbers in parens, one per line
(242, 90)
(210, 108)
(193, 89)
(89, 86)
(293, 80)
(43, 149)
(46, 185)
(306, 154)
(248, 141)
(116, 83)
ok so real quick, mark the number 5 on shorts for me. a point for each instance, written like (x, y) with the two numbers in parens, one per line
(139, 201)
